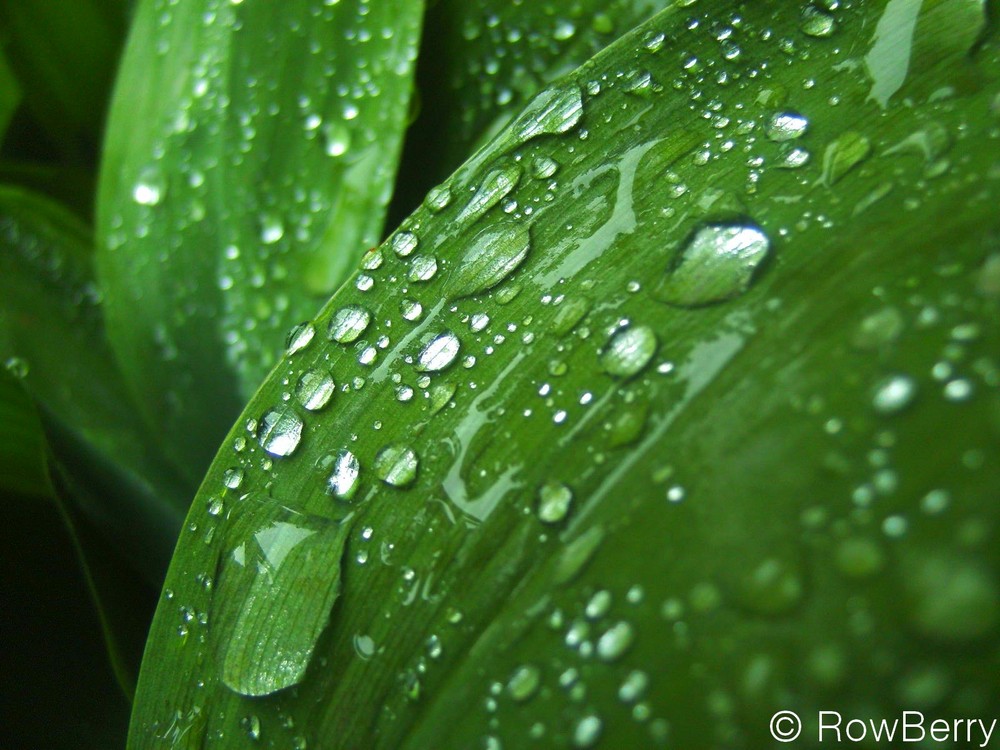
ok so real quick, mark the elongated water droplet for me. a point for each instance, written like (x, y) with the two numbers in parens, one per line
(493, 255)
(396, 464)
(615, 641)
(843, 155)
(348, 323)
(717, 263)
(629, 351)
(524, 682)
(554, 499)
(280, 431)
(343, 481)
(554, 110)
(315, 388)
(439, 352)
(496, 185)
(587, 731)
(299, 337)
(894, 394)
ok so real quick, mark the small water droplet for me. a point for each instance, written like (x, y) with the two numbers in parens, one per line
(524, 682)
(423, 268)
(410, 309)
(280, 431)
(629, 351)
(615, 641)
(894, 394)
(299, 337)
(149, 188)
(396, 465)
(404, 243)
(496, 185)
(17, 367)
(343, 481)
(554, 110)
(348, 323)
(554, 500)
(439, 352)
(271, 229)
(438, 199)
(543, 167)
(315, 388)
(233, 478)
(717, 263)
(587, 731)
(818, 23)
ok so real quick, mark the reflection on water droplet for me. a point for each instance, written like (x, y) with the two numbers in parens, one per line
(438, 198)
(410, 309)
(299, 337)
(554, 110)
(343, 481)
(629, 351)
(894, 394)
(786, 126)
(439, 352)
(717, 263)
(315, 388)
(348, 323)
(149, 188)
(280, 431)
(271, 229)
(493, 255)
(404, 243)
(233, 478)
(554, 500)
(423, 268)
(396, 465)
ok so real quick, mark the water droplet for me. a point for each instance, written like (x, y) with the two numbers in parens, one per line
(149, 188)
(493, 255)
(615, 641)
(251, 725)
(17, 367)
(438, 199)
(496, 185)
(280, 431)
(543, 167)
(348, 323)
(439, 352)
(878, 329)
(554, 500)
(633, 687)
(423, 268)
(786, 126)
(524, 682)
(299, 337)
(411, 310)
(404, 243)
(554, 110)
(794, 158)
(818, 23)
(396, 464)
(894, 394)
(336, 138)
(214, 506)
(271, 229)
(843, 155)
(315, 388)
(773, 587)
(587, 731)
(717, 263)
(629, 351)
(343, 481)
(233, 478)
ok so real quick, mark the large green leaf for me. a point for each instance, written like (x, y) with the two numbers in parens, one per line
(52, 337)
(676, 406)
(249, 157)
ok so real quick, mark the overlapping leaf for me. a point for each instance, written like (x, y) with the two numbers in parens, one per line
(249, 157)
(624, 484)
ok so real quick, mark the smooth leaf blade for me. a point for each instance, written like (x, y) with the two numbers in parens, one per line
(249, 157)
(584, 515)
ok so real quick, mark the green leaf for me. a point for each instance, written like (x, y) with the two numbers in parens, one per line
(65, 57)
(249, 157)
(51, 335)
(482, 61)
(10, 94)
(582, 513)
(22, 470)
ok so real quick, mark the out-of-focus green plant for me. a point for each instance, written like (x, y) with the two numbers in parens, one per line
(667, 396)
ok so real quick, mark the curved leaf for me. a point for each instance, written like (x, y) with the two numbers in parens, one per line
(249, 156)
(579, 511)
(51, 335)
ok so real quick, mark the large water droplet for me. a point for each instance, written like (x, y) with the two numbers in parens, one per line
(348, 323)
(554, 110)
(343, 481)
(439, 352)
(396, 464)
(404, 243)
(299, 337)
(493, 255)
(496, 185)
(423, 268)
(315, 388)
(280, 431)
(629, 351)
(717, 263)
(786, 126)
